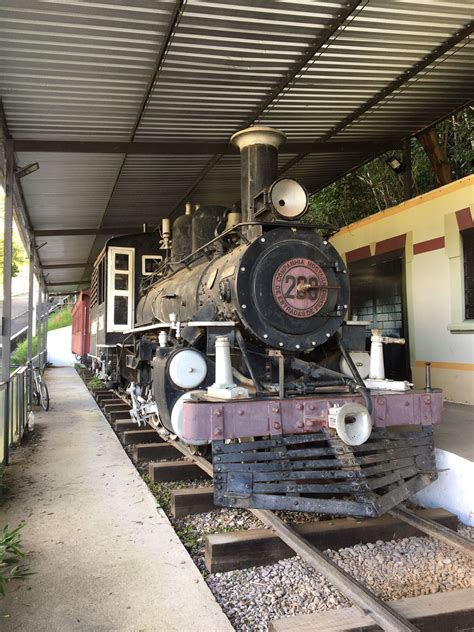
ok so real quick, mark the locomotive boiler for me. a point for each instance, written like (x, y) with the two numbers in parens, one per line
(235, 343)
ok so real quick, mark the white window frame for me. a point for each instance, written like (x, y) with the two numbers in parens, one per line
(112, 292)
(147, 258)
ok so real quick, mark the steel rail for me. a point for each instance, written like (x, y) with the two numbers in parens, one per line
(385, 616)
(434, 530)
(381, 613)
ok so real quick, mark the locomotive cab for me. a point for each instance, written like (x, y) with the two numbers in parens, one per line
(118, 273)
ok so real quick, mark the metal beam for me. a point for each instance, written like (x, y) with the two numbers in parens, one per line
(407, 175)
(9, 179)
(20, 209)
(31, 282)
(391, 87)
(316, 47)
(7, 259)
(180, 148)
(168, 38)
(65, 266)
(369, 158)
(66, 283)
(74, 232)
(39, 321)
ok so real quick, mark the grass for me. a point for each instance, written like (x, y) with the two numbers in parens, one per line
(58, 320)
(189, 536)
(94, 383)
(11, 553)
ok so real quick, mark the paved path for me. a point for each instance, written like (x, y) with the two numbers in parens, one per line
(105, 557)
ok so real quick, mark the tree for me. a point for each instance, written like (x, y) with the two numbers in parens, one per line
(18, 256)
(18, 251)
(374, 186)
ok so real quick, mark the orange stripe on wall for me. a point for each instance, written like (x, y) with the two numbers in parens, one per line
(455, 366)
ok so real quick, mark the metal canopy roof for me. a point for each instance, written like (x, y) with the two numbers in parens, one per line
(128, 107)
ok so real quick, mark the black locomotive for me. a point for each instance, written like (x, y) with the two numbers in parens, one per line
(229, 334)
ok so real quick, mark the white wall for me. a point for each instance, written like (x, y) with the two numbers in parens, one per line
(59, 347)
(431, 309)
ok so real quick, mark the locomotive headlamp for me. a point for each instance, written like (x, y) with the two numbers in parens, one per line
(288, 199)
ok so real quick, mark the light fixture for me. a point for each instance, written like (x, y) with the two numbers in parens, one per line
(395, 164)
(21, 172)
(288, 199)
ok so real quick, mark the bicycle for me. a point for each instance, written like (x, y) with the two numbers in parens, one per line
(40, 390)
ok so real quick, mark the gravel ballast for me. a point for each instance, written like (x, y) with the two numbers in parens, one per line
(411, 567)
(253, 597)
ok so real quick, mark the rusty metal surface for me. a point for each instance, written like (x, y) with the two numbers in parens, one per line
(243, 418)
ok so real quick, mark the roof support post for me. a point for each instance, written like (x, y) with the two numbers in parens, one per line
(407, 175)
(39, 313)
(44, 341)
(7, 286)
(31, 307)
(31, 280)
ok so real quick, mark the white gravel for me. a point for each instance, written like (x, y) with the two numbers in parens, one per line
(251, 598)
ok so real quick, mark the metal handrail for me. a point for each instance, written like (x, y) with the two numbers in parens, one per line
(18, 391)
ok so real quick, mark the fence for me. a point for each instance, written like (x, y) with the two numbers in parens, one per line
(17, 392)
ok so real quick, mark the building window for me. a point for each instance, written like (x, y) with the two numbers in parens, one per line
(467, 237)
(120, 286)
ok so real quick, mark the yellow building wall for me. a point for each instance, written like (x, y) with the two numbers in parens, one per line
(438, 332)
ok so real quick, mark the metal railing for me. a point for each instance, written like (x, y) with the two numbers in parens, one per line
(15, 405)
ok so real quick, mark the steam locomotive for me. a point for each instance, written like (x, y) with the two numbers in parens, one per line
(228, 333)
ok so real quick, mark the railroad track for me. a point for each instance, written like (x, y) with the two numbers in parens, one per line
(116, 409)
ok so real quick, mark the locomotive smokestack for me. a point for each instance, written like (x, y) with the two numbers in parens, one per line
(259, 162)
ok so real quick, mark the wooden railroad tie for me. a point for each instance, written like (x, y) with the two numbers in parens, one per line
(258, 547)
(124, 415)
(174, 471)
(100, 393)
(185, 502)
(104, 397)
(131, 437)
(157, 451)
(121, 424)
(117, 406)
(443, 612)
(109, 403)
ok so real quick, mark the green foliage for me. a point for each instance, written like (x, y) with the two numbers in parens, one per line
(95, 384)
(11, 552)
(189, 536)
(18, 251)
(375, 186)
(18, 255)
(60, 319)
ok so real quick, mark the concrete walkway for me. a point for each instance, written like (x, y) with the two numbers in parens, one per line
(105, 557)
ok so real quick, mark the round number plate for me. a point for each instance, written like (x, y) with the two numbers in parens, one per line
(300, 287)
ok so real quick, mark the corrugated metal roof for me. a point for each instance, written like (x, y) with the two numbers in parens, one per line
(195, 70)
